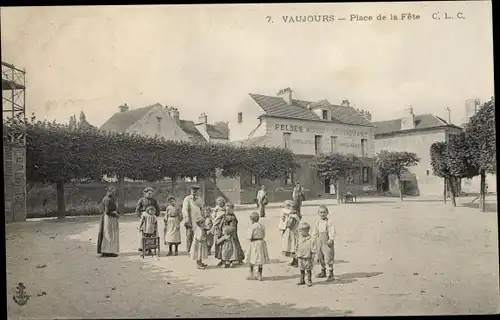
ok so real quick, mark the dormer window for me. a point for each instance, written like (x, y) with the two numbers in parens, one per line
(325, 114)
(240, 117)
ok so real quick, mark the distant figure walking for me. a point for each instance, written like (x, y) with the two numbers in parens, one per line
(262, 201)
(298, 196)
(143, 204)
(192, 207)
(108, 243)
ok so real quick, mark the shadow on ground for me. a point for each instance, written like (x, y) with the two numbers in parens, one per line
(111, 288)
(490, 207)
(421, 200)
(346, 278)
(370, 202)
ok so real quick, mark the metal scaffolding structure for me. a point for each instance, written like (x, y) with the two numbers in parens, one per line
(14, 151)
(13, 96)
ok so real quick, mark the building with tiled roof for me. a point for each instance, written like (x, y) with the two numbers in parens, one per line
(414, 133)
(156, 120)
(307, 128)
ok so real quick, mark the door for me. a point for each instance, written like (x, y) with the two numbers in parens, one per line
(327, 186)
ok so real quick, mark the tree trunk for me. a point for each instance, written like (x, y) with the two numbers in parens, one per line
(482, 192)
(445, 188)
(121, 194)
(337, 190)
(400, 187)
(61, 208)
(452, 191)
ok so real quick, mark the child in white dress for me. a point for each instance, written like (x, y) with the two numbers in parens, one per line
(257, 254)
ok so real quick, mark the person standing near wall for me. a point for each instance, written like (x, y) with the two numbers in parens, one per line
(191, 211)
(298, 196)
(262, 201)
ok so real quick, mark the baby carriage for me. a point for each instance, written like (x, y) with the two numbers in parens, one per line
(150, 241)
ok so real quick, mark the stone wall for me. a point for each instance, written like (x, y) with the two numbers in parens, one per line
(84, 199)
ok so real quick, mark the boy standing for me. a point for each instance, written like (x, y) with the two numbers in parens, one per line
(323, 235)
(305, 254)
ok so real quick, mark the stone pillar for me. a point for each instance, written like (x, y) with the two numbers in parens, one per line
(15, 183)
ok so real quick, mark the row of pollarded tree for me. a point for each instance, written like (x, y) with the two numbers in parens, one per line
(467, 154)
(60, 153)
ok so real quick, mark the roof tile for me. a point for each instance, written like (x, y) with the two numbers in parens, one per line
(422, 121)
(300, 109)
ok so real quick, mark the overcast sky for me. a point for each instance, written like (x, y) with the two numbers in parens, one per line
(208, 58)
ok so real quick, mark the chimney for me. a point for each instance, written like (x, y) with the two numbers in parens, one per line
(408, 121)
(202, 120)
(287, 95)
(345, 103)
(368, 116)
(123, 107)
(174, 113)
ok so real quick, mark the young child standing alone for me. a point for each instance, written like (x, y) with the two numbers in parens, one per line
(324, 235)
(305, 253)
(172, 231)
(257, 254)
(199, 249)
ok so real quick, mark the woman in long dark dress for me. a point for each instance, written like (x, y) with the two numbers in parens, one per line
(229, 220)
(108, 242)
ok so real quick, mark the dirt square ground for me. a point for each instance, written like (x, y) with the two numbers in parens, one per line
(418, 257)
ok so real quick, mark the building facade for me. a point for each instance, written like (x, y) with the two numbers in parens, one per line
(413, 133)
(308, 129)
(156, 120)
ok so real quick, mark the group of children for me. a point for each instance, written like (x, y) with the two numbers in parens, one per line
(218, 228)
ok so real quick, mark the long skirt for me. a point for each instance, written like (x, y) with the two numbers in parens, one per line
(199, 250)
(217, 247)
(239, 254)
(108, 240)
(324, 254)
(289, 240)
(172, 231)
(139, 235)
(231, 250)
(226, 251)
(257, 253)
(210, 241)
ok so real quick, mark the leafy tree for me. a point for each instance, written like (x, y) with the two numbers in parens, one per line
(450, 162)
(393, 162)
(61, 153)
(481, 130)
(335, 166)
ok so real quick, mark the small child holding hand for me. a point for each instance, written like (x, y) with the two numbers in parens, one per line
(199, 250)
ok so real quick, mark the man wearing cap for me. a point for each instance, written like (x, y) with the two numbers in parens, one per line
(191, 211)
(143, 203)
(298, 196)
